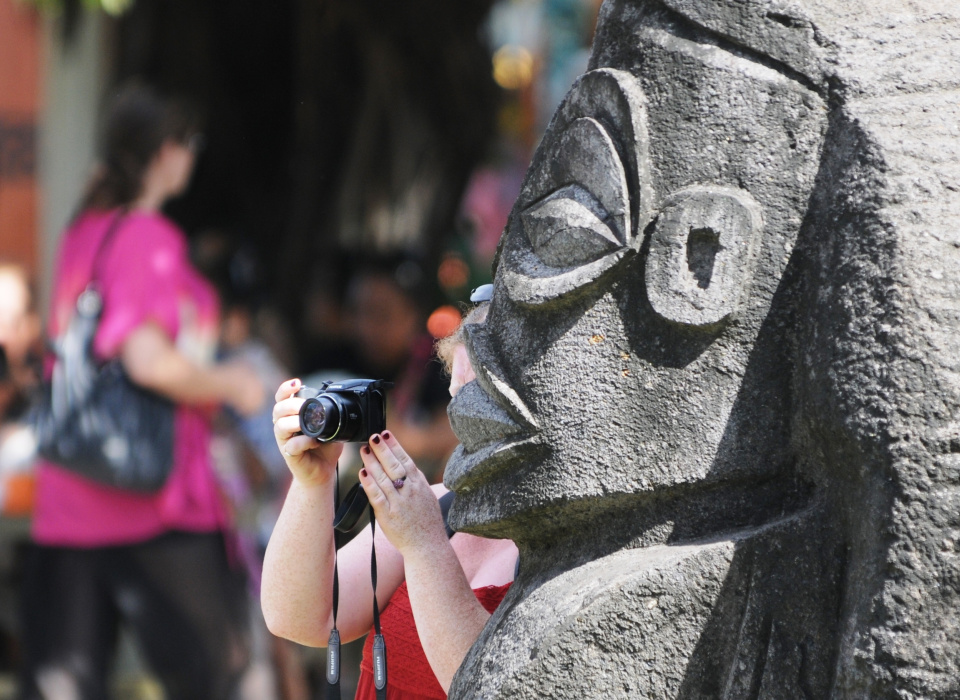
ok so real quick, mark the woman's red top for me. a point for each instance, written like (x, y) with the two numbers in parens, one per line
(409, 676)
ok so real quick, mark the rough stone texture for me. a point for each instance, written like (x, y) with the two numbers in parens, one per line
(718, 394)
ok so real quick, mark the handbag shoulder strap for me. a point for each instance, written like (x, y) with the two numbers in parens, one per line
(95, 272)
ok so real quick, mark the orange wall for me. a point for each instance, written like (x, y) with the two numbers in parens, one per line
(19, 116)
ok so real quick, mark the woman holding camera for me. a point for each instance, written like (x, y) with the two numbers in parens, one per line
(436, 592)
(102, 555)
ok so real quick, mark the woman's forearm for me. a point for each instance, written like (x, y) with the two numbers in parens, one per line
(448, 615)
(297, 578)
(179, 379)
(152, 361)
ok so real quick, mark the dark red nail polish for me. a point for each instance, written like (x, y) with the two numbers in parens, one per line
(363, 473)
(365, 450)
(386, 434)
(376, 439)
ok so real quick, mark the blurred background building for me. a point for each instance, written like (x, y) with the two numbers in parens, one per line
(333, 127)
(336, 131)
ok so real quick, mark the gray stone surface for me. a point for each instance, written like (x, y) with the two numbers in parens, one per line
(702, 250)
(718, 394)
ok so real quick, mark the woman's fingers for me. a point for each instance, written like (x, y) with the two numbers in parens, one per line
(286, 390)
(286, 411)
(297, 445)
(376, 468)
(387, 458)
(287, 426)
(308, 459)
(405, 462)
(372, 485)
(394, 459)
(286, 431)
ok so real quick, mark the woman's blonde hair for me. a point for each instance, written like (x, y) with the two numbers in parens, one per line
(445, 346)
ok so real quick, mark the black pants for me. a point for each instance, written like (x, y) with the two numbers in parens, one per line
(176, 593)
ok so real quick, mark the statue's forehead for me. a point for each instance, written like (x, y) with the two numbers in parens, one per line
(779, 34)
(705, 68)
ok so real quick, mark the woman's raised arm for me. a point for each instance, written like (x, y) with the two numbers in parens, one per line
(297, 589)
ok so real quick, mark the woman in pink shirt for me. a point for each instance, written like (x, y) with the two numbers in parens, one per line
(101, 555)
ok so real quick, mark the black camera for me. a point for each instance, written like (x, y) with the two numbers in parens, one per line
(346, 411)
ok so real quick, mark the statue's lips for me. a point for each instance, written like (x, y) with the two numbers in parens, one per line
(465, 470)
(489, 436)
(479, 419)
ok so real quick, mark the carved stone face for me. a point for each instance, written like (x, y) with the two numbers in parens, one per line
(639, 269)
(719, 325)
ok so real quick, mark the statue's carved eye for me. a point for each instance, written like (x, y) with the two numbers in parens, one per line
(575, 219)
(570, 227)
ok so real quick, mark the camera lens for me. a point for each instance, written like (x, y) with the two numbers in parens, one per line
(320, 418)
(331, 416)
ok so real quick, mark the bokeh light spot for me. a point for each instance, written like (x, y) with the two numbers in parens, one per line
(443, 321)
(453, 272)
(512, 67)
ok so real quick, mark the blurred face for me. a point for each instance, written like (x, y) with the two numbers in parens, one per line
(235, 327)
(19, 329)
(175, 161)
(385, 321)
(638, 266)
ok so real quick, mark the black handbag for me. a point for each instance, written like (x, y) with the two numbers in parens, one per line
(90, 418)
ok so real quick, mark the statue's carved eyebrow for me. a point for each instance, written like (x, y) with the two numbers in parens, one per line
(668, 20)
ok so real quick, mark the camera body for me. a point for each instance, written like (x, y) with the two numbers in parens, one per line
(350, 410)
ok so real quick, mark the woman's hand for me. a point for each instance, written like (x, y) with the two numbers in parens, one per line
(248, 395)
(405, 505)
(310, 461)
(447, 614)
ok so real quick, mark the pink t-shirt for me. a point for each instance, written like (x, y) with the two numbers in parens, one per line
(145, 276)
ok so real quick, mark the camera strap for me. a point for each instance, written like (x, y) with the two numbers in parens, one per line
(333, 644)
(347, 514)
(379, 645)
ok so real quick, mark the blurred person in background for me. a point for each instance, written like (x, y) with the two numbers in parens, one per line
(252, 473)
(20, 352)
(20, 337)
(384, 305)
(102, 556)
(325, 344)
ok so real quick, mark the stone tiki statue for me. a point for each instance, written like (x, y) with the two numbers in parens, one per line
(718, 394)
